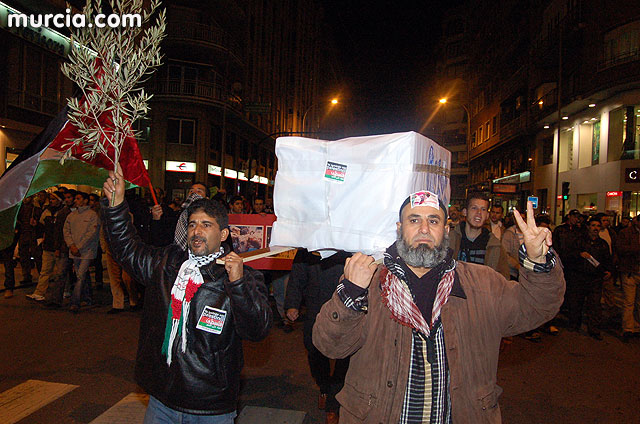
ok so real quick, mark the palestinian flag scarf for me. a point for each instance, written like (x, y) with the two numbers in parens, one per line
(185, 286)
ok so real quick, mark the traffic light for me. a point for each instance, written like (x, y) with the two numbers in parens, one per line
(565, 190)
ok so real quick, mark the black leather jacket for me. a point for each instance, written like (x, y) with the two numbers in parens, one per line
(206, 378)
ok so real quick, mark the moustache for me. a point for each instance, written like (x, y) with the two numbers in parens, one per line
(198, 238)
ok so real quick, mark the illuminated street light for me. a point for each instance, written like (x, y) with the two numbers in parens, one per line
(333, 101)
(443, 101)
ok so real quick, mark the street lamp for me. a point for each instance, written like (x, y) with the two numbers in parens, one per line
(333, 102)
(443, 101)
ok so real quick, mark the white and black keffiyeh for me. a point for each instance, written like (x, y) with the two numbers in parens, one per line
(186, 285)
(180, 235)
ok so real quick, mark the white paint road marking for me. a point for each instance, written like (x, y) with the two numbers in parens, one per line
(26, 398)
(129, 410)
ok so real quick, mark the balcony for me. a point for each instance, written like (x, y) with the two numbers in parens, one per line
(626, 57)
(513, 128)
(207, 35)
(544, 106)
(196, 91)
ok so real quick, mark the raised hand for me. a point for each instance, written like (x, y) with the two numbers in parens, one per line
(359, 269)
(536, 240)
(114, 186)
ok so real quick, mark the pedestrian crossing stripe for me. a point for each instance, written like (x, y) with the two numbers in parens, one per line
(26, 398)
(129, 410)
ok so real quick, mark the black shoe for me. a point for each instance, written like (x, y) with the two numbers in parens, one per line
(114, 311)
(595, 335)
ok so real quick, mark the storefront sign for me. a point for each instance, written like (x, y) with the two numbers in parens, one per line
(214, 170)
(264, 180)
(504, 188)
(230, 173)
(242, 177)
(614, 193)
(180, 166)
(632, 175)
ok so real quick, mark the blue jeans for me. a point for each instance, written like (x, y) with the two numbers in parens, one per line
(158, 413)
(82, 290)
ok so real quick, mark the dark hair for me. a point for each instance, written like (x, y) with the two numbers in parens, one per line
(206, 187)
(594, 219)
(497, 205)
(83, 194)
(235, 199)
(94, 196)
(72, 192)
(477, 195)
(543, 219)
(212, 208)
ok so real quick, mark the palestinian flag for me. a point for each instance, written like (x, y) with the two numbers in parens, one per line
(38, 168)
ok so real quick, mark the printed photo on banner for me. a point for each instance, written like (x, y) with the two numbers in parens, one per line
(268, 235)
(246, 238)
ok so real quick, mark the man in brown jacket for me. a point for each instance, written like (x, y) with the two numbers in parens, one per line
(402, 371)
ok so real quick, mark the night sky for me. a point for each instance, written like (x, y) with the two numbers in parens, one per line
(385, 50)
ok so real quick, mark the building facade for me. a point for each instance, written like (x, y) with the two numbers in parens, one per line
(235, 75)
(553, 97)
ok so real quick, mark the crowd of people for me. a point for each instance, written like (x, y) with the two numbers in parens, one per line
(59, 235)
(501, 278)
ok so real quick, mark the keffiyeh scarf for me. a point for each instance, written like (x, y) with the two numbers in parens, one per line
(180, 235)
(397, 296)
(187, 283)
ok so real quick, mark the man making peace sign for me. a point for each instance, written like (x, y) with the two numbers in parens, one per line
(424, 329)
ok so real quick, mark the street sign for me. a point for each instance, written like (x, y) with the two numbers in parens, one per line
(534, 201)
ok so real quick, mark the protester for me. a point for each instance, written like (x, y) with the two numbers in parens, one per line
(62, 271)
(313, 280)
(6, 257)
(495, 221)
(81, 234)
(47, 220)
(592, 266)
(197, 191)
(27, 223)
(429, 318)
(565, 238)
(471, 241)
(628, 248)
(195, 312)
(610, 308)
(258, 206)
(94, 204)
(236, 204)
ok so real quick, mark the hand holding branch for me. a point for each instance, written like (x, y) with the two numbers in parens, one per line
(537, 240)
(113, 187)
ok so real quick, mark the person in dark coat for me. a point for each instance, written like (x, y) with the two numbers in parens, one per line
(313, 280)
(592, 265)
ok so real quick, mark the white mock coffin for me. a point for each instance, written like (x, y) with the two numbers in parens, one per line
(345, 194)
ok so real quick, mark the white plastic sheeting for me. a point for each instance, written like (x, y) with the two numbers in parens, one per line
(345, 194)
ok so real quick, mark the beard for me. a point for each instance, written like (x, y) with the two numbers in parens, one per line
(204, 247)
(422, 256)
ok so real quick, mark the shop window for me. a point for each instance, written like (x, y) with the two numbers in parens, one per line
(181, 131)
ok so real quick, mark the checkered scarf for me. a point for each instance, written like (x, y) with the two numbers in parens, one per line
(185, 286)
(180, 236)
(397, 296)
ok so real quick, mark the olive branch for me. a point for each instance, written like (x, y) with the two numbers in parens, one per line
(109, 65)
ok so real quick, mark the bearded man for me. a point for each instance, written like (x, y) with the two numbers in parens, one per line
(424, 330)
(195, 312)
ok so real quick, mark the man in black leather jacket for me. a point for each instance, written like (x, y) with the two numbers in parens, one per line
(190, 369)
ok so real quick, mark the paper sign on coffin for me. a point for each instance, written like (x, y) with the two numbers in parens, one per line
(345, 194)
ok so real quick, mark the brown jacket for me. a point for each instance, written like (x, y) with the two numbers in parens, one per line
(628, 248)
(473, 327)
